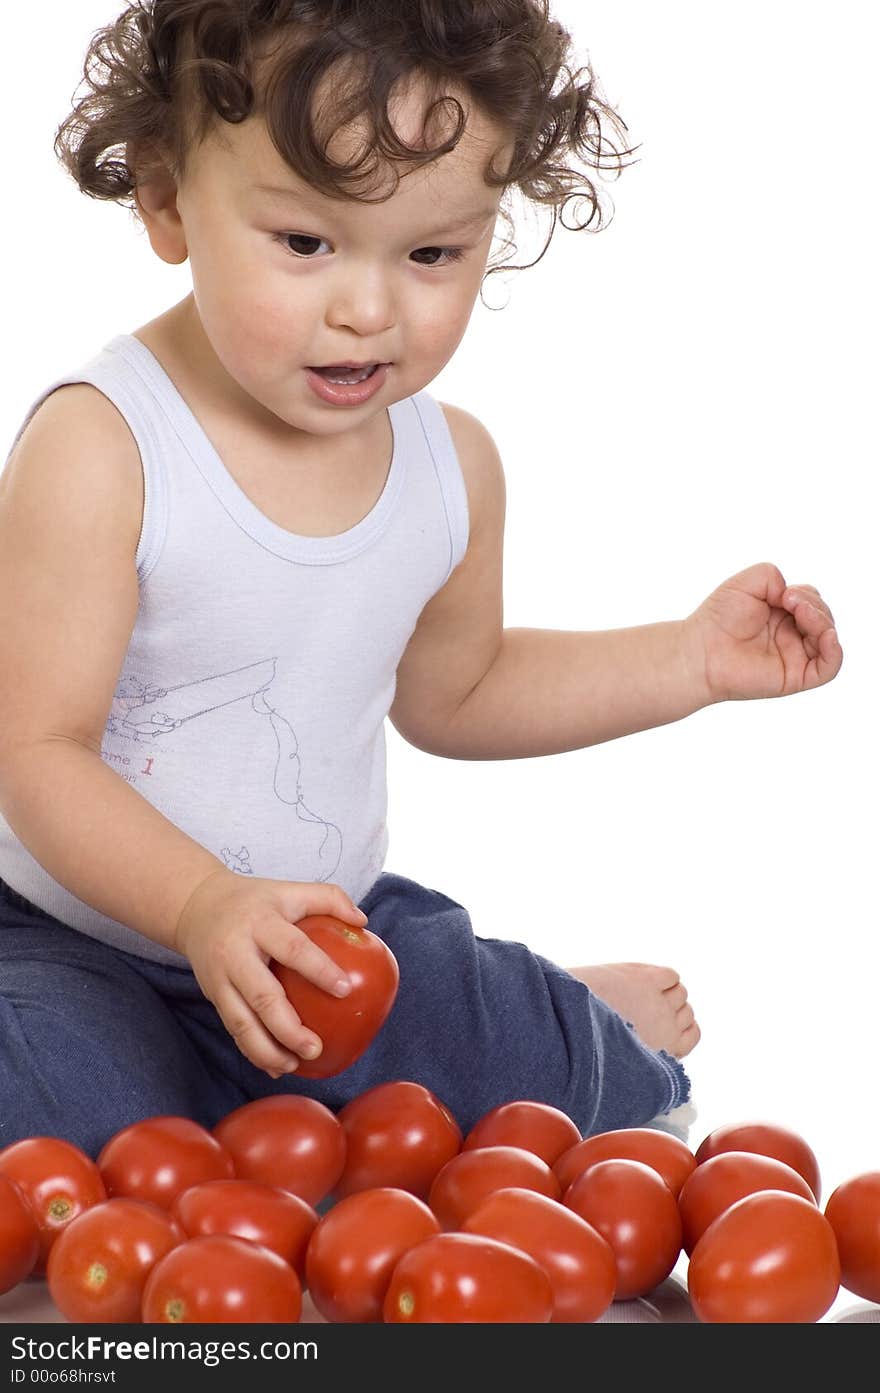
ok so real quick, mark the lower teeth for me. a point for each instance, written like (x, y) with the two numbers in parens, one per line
(348, 379)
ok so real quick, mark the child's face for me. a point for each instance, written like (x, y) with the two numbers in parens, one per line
(283, 283)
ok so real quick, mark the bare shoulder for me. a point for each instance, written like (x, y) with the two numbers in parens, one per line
(481, 467)
(77, 451)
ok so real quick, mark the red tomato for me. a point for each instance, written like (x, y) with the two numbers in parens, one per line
(635, 1211)
(533, 1126)
(665, 1154)
(578, 1261)
(19, 1238)
(465, 1278)
(57, 1180)
(398, 1135)
(157, 1158)
(262, 1214)
(355, 1248)
(853, 1211)
(219, 1280)
(769, 1258)
(469, 1178)
(722, 1180)
(346, 1025)
(767, 1140)
(293, 1143)
(99, 1265)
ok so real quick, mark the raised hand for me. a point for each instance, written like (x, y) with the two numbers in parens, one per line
(756, 636)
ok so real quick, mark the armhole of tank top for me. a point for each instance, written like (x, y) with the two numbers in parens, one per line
(155, 514)
(449, 476)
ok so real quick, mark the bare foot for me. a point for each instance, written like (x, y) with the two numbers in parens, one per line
(653, 999)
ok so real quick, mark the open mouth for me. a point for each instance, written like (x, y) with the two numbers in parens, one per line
(347, 377)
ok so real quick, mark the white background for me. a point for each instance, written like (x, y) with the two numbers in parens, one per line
(688, 392)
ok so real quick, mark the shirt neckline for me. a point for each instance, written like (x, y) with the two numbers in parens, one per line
(290, 545)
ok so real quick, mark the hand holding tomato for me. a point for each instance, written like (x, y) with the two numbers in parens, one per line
(231, 929)
(348, 1026)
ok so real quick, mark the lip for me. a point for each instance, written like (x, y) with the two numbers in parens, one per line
(347, 394)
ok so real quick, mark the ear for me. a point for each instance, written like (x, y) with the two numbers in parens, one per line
(155, 194)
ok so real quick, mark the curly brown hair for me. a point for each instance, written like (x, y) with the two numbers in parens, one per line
(164, 71)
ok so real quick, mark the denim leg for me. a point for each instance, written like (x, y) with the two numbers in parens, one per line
(88, 1044)
(483, 1021)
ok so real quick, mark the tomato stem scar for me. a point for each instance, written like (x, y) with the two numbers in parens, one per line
(96, 1275)
(59, 1207)
(175, 1309)
(406, 1303)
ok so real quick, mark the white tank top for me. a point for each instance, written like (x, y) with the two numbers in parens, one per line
(251, 704)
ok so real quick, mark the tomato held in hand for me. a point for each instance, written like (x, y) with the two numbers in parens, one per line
(221, 1279)
(469, 1178)
(58, 1181)
(159, 1157)
(536, 1127)
(398, 1135)
(262, 1214)
(577, 1259)
(853, 1211)
(345, 1025)
(294, 1143)
(635, 1211)
(465, 1278)
(356, 1247)
(99, 1265)
(767, 1140)
(19, 1239)
(722, 1180)
(769, 1258)
(664, 1153)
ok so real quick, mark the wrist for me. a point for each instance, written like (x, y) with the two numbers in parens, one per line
(195, 896)
(692, 650)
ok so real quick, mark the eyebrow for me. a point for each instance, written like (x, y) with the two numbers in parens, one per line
(457, 225)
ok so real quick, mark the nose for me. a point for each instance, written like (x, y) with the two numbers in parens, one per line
(361, 300)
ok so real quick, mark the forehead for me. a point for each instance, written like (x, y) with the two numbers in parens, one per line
(245, 155)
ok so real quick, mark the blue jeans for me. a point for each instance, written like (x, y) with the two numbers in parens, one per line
(94, 1038)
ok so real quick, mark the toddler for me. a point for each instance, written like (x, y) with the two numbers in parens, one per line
(235, 540)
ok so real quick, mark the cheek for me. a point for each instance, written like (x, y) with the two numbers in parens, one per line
(438, 322)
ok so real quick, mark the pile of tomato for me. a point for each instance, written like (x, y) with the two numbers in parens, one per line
(386, 1212)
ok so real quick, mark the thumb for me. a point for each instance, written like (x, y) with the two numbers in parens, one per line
(317, 897)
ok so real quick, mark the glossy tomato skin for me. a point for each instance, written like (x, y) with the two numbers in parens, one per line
(577, 1259)
(19, 1237)
(853, 1212)
(347, 1025)
(767, 1139)
(636, 1213)
(221, 1279)
(356, 1247)
(471, 1176)
(770, 1258)
(99, 1265)
(398, 1135)
(718, 1183)
(157, 1158)
(58, 1181)
(537, 1127)
(294, 1143)
(276, 1219)
(663, 1152)
(466, 1278)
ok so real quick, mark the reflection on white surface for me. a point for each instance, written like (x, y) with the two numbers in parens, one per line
(668, 1304)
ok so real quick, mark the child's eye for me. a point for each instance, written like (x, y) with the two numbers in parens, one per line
(300, 244)
(450, 253)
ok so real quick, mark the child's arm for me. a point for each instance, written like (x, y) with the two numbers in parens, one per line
(70, 514)
(467, 688)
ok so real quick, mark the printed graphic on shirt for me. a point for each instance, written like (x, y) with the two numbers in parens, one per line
(142, 713)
